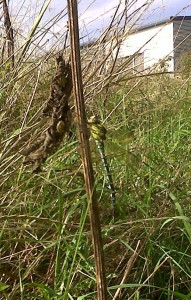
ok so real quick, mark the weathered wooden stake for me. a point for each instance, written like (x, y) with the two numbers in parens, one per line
(85, 150)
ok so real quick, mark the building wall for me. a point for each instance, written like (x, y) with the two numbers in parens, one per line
(181, 39)
(155, 43)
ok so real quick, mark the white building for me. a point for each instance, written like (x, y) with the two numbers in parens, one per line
(158, 44)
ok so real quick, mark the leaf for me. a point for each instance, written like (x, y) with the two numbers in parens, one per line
(3, 286)
(182, 296)
(172, 196)
(166, 222)
(84, 296)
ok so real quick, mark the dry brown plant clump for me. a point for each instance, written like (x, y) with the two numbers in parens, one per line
(58, 111)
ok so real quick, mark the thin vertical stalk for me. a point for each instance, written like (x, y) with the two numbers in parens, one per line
(9, 33)
(85, 150)
(33, 30)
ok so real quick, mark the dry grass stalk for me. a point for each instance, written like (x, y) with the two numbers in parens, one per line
(9, 33)
(85, 152)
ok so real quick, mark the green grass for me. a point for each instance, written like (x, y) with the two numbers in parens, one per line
(45, 238)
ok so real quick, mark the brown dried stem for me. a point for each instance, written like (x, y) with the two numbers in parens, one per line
(85, 151)
(9, 32)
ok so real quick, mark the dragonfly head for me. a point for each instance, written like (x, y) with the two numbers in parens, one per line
(94, 120)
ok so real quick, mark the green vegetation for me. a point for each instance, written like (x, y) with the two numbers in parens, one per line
(45, 237)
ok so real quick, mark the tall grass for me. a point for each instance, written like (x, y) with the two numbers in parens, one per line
(45, 237)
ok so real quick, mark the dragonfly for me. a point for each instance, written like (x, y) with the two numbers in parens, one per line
(98, 133)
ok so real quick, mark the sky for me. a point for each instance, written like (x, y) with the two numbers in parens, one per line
(159, 9)
(89, 10)
(94, 15)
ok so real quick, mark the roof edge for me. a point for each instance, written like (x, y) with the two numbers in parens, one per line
(158, 23)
